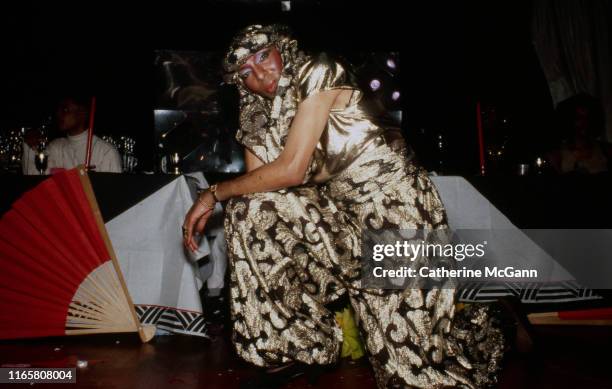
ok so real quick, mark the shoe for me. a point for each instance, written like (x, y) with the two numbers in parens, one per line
(214, 308)
(524, 335)
(282, 375)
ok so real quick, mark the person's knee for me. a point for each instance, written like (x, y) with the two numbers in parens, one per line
(247, 206)
(260, 200)
(260, 210)
(237, 208)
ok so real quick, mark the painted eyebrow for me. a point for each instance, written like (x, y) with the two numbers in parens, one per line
(247, 66)
(262, 51)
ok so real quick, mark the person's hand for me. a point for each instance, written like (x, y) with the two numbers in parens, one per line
(196, 219)
(32, 138)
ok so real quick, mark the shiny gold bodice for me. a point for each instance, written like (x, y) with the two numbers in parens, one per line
(350, 130)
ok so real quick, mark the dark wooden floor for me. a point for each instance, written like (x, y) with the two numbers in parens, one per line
(569, 357)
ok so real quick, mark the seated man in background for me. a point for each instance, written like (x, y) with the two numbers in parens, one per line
(583, 149)
(67, 152)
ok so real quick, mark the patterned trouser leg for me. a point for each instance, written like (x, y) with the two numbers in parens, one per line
(292, 252)
(412, 335)
(278, 250)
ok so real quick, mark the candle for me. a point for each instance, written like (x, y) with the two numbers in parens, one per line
(92, 112)
(539, 162)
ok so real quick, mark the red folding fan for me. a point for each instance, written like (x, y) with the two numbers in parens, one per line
(58, 271)
(587, 317)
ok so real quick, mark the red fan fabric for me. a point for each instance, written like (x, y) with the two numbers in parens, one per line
(587, 314)
(49, 243)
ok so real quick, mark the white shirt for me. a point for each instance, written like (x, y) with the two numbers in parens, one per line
(69, 152)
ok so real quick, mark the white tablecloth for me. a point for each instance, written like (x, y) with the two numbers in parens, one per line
(164, 281)
(468, 209)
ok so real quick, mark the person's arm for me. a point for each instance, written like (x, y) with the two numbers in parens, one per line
(289, 169)
(28, 166)
(56, 155)
(113, 162)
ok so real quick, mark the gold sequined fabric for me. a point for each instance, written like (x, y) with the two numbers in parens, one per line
(295, 250)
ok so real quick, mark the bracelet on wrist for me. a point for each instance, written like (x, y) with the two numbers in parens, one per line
(207, 206)
(213, 190)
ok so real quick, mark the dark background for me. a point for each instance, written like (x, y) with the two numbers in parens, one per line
(452, 54)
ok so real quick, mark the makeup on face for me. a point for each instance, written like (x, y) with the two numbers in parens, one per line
(261, 72)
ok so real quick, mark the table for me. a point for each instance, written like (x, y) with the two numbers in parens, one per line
(143, 214)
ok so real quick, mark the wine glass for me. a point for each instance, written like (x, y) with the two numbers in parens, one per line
(541, 165)
(175, 163)
(40, 160)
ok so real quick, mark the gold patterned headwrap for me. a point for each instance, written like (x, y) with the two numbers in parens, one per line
(264, 123)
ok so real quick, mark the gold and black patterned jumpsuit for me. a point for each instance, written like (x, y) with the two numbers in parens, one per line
(295, 250)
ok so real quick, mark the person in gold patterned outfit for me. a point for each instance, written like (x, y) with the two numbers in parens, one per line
(322, 169)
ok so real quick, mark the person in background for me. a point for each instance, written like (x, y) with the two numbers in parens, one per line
(69, 151)
(583, 149)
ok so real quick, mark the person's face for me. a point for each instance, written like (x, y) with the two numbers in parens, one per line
(261, 72)
(71, 117)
